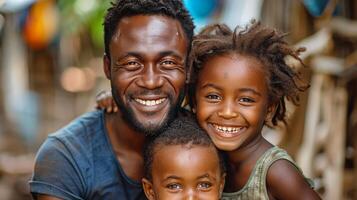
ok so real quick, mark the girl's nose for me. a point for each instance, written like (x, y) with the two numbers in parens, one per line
(228, 110)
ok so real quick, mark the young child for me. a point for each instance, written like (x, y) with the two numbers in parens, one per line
(239, 82)
(183, 163)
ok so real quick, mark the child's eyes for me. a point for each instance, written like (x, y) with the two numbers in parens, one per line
(174, 186)
(204, 185)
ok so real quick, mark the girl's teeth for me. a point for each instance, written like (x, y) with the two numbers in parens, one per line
(227, 129)
(150, 102)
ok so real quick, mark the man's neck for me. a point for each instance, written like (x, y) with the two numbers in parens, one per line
(127, 145)
(122, 136)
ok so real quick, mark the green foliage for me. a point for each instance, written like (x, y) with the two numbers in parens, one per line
(83, 16)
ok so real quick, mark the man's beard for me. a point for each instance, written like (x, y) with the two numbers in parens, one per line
(150, 129)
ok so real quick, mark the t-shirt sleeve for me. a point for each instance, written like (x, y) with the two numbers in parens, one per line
(56, 173)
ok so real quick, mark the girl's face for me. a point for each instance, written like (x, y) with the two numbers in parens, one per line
(232, 100)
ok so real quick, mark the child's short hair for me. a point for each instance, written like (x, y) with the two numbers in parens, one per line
(182, 131)
(265, 44)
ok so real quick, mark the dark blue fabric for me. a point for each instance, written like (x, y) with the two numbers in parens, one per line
(77, 162)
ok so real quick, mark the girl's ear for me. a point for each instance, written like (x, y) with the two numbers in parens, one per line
(106, 66)
(148, 189)
(271, 112)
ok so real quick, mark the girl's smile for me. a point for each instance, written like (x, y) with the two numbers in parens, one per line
(232, 99)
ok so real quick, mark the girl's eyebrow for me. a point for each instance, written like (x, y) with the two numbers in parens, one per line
(250, 90)
(211, 85)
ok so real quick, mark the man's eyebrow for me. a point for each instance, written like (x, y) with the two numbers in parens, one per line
(171, 53)
(129, 54)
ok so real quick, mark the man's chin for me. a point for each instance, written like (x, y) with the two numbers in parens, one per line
(149, 125)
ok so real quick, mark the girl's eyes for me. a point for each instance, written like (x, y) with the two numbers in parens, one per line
(246, 100)
(213, 97)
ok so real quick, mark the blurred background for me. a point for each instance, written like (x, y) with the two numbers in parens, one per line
(51, 69)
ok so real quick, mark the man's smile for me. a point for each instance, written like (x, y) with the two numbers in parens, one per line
(152, 102)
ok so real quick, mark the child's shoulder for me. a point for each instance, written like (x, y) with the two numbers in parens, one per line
(284, 178)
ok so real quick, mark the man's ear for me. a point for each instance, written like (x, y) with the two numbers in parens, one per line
(148, 189)
(106, 66)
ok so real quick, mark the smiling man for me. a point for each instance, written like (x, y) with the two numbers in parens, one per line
(99, 156)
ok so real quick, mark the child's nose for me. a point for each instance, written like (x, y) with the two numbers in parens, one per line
(191, 195)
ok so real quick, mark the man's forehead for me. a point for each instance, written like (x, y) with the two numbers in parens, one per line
(149, 26)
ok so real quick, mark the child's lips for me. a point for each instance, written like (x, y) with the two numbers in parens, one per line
(227, 131)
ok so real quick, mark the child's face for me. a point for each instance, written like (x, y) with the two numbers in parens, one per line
(232, 100)
(181, 172)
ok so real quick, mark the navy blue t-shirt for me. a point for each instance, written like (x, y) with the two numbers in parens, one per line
(78, 163)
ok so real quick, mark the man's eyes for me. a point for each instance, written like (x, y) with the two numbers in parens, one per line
(171, 64)
(129, 65)
(168, 62)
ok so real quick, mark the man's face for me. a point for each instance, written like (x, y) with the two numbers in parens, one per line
(147, 70)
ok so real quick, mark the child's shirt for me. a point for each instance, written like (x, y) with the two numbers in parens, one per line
(255, 188)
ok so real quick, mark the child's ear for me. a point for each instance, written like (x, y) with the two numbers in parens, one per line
(106, 66)
(148, 189)
(221, 184)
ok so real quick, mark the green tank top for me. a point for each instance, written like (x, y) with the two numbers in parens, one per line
(255, 188)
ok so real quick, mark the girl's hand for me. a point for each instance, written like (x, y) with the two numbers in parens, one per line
(106, 102)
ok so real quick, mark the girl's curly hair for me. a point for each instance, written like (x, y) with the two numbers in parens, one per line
(255, 40)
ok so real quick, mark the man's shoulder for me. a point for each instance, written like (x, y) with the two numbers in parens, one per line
(84, 126)
(80, 137)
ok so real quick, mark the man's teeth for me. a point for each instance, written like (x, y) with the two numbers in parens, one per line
(150, 102)
(227, 129)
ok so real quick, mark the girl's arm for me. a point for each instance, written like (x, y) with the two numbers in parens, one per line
(106, 102)
(285, 181)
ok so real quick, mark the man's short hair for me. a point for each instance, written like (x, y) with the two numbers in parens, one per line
(126, 8)
(182, 131)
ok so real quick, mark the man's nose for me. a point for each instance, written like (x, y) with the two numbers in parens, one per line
(151, 78)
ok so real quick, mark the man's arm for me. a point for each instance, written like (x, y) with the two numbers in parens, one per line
(285, 181)
(45, 197)
(56, 172)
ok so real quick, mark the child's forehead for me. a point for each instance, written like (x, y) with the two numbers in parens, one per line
(163, 151)
(185, 153)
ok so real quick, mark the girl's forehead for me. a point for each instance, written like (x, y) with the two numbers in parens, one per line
(233, 63)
